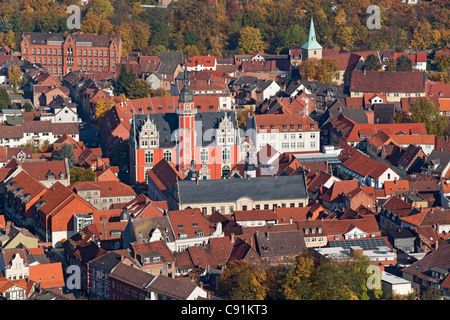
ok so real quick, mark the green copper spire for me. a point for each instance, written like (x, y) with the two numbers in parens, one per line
(312, 43)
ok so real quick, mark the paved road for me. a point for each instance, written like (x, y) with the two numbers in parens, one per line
(90, 135)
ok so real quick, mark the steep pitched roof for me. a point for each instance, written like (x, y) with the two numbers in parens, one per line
(49, 275)
(388, 81)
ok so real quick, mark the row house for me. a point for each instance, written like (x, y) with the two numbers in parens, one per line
(22, 192)
(333, 232)
(104, 195)
(250, 90)
(284, 132)
(53, 213)
(429, 225)
(81, 248)
(143, 207)
(395, 85)
(20, 154)
(369, 172)
(154, 257)
(355, 134)
(131, 283)
(169, 68)
(200, 63)
(61, 53)
(393, 210)
(431, 272)
(277, 248)
(99, 273)
(20, 289)
(216, 87)
(190, 227)
(300, 103)
(36, 132)
(16, 263)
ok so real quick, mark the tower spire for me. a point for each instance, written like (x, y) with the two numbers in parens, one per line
(312, 43)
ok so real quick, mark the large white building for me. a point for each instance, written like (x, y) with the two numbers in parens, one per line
(36, 132)
(284, 132)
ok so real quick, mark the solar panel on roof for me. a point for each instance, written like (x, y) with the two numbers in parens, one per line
(365, 244)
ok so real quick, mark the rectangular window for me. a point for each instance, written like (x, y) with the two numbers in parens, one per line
(204, 155)
(149, 157)
(168, 155)
(226, 154)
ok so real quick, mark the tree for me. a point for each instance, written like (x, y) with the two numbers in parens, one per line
(81, 174)
(242, 281)
(14, 76)
(423, 110)
(125, 79)
(140, 89)
(403, 63)
(322, 70)
(103, 105)
(296, 284)
(66, 152)
(250, 40)
(391, 65)
(28, 107)
(293, 35)
(5, 26)
(442, 63)
(5, 100)
(372, 63)
(242, 114)
(8, 39)
(101, 8)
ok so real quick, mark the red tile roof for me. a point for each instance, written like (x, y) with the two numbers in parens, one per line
(388, 81)
(49, 275)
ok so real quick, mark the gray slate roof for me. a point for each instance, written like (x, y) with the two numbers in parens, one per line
(167, 124)
(230, 190)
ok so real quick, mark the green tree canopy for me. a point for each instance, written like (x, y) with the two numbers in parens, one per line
(66, 152)
(78, 174)
(404, 63)
(423, 110)
(124, 81)
(140, 89)
(372, 63)
(5, 100)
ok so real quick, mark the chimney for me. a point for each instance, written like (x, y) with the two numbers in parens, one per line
(290, 220)
(267, 235)
(233, 238)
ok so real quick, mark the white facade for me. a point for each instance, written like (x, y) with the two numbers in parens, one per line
(378, 183)
(270, 91)
(65, 115)
(26, 137)
(308, 141)
(391, 284)
(18, 270)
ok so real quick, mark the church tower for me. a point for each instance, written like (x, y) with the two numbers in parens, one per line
(311, 49)
(186, 127)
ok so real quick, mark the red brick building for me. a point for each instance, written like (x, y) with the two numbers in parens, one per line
(61, 53)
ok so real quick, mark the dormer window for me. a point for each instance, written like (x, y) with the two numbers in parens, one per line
(284, 127)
